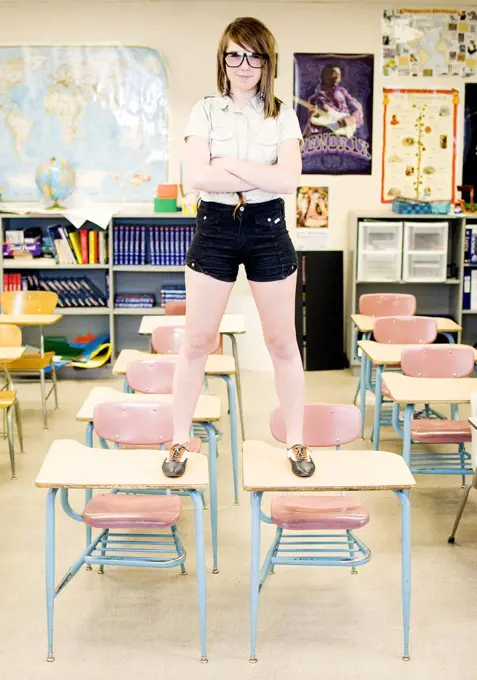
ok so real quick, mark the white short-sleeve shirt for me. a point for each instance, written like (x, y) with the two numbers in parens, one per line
(242, 133)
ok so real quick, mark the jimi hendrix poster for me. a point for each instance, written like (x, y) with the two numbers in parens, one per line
(333, 98)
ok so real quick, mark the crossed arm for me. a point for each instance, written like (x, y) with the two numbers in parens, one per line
(230, 175)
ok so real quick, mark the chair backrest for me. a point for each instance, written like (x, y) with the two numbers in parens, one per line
(10, 335)
(438, 361)
(324, 424)
(407, 330)
(134, 423)
(169, 339)
(176, 308)
(387, 304)
(28, 302)
(151, 377)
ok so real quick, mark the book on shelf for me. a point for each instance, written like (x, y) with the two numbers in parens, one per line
(470, 245)
(134, 300)
(469, 295)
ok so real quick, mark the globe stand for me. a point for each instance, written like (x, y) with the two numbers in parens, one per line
(56, 206)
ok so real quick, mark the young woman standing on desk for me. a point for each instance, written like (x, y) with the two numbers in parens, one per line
(243, 154)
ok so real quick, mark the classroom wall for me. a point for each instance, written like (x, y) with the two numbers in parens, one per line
(186, 34)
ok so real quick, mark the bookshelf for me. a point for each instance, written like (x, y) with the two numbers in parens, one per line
(122, 324)
(439, 297)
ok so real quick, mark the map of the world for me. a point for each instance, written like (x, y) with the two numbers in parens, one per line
(101, 109)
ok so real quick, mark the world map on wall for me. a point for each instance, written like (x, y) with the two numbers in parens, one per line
(103, 109)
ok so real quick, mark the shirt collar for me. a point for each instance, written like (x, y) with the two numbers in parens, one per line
(224, 102)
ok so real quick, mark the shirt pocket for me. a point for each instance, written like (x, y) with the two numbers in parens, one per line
(222, 142)
(264, 147)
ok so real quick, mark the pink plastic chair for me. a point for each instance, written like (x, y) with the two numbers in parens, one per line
(396, 330)
(151, 377)
(175, 308)
(169, 339)
(325, 425)
(408, 330)
(136, 425)
(384, 304)
(437, 361)
(387, 304)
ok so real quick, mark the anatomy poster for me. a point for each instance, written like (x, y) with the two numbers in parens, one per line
(429, 42)
(419, 144)
(333, 98)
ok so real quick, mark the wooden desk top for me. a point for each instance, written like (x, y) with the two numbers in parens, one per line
(216, 364)
(390, 355)
(266, 468)
(71, 465)
(30, 319)
(231, 323)
(11, 353)
(207, 409)
(365, 323)
(407, 390)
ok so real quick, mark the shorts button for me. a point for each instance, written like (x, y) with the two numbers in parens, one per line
(269, 219)
(242, 208)
(205, 217)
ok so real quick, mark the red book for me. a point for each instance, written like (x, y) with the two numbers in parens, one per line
(84, 246)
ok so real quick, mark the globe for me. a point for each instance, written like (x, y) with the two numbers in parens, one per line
(55, 179)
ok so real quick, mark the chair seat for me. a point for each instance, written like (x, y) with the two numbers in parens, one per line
(7, 398)
(318, 512)
(128, 511)
(386, 392)
(195, 444)
(441, 431)
(31, 362)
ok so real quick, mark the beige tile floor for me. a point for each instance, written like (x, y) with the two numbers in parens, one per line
(314, 623)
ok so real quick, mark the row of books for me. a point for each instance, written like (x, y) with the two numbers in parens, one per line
(66, 245)
(138, 244)
(172, 292)
(134, 300)
(14, 282)
(78, 291)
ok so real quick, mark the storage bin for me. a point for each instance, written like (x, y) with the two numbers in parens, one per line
(424, 266)
(426, 237)
(380, 236)
(383, 266)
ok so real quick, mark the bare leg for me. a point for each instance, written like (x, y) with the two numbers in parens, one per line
(206, 302)
(275, 302)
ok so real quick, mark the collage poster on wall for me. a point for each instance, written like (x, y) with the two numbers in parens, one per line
(429, 42)
(312, 218)
(469, 173)
(419, 132)
(333, 98)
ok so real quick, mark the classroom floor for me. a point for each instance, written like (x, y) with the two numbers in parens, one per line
(321, 623)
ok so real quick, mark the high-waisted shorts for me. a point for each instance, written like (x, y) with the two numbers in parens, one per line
(256, 237)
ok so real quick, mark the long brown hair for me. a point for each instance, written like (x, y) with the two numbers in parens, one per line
(252, 34)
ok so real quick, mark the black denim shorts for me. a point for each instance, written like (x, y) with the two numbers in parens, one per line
(256, 237)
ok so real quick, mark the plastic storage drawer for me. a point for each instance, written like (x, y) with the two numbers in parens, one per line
(383, 266)
(424, 266)
(380, 236)
(430, 237)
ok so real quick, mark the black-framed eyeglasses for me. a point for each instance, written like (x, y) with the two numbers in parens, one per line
(254, 59)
